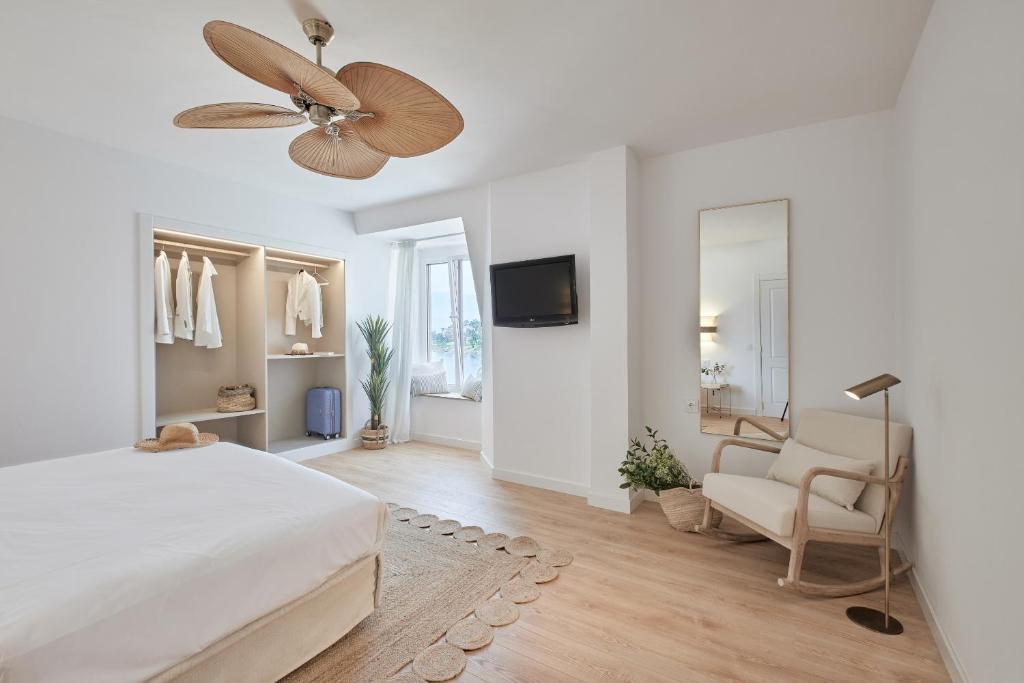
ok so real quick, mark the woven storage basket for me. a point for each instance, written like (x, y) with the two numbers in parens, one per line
(236, 398)
(375, 439)
(684, 508)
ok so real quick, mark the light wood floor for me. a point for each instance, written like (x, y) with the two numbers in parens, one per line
(713, 424)
(643, 602)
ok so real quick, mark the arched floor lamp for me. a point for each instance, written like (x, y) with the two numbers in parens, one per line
(869, 618)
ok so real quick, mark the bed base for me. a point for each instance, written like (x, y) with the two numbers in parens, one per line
(283, 640)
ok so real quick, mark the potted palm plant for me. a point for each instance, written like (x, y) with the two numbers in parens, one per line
(655, 468)
(375, 331)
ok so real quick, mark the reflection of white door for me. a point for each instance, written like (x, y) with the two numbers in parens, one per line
(774, 305)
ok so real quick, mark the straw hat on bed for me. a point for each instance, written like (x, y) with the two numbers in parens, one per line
(175, 436)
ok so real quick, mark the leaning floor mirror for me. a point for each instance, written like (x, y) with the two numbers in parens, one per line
(744, 320)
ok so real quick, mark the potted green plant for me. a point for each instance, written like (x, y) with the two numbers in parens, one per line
(650, 464)
(375, 332)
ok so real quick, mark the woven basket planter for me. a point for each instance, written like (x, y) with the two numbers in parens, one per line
(684, 508)
(375, 439)
(236, 398)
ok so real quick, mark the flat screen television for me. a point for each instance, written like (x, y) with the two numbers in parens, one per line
(537, 293)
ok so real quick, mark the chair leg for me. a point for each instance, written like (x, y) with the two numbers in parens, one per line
(708, 523)
(796, 561)
(709, 527)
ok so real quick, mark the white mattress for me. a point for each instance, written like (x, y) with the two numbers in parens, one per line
(115, 566)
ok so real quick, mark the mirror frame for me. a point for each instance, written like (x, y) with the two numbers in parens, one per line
(789, 315)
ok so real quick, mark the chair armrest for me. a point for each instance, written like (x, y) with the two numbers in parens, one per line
(805, 481)
(716, 459)
(757, 425)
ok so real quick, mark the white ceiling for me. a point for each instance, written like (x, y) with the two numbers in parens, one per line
(539, 82)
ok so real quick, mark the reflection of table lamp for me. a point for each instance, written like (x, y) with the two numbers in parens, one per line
(865, 616)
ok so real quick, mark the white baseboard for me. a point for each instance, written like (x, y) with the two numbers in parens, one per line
(446, 441)
(623, 502)
(486, 461)
(949, 656)
(549, 483)
(317, 450)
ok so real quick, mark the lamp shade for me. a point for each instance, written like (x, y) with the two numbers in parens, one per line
(872, 386)
(708, 324)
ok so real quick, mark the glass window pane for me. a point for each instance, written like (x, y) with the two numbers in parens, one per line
(472, 341)
(442, 333)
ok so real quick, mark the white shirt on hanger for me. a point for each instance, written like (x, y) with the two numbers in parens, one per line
(303, 301)
(207, 328)
(183, 325)
(164, 305)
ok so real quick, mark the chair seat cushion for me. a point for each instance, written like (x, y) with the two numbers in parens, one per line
(772, 504)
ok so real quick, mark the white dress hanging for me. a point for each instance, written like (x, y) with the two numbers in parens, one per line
(303, 301)
(164, 305)
(183, 325)
(207, 328)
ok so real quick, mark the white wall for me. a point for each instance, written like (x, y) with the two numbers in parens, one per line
(728, 292)
(960, 128)
(541, 391)
(448, 421)
(69, 224)
(844, 269)
(614, 347)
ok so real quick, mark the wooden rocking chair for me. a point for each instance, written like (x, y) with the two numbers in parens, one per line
(792, 517)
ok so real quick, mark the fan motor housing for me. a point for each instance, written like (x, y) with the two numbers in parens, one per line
(318, 31)
(320, 115)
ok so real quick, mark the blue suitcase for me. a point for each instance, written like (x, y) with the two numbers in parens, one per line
(323, 412)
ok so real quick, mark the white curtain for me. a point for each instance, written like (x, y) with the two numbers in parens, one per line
(402, 293)
(454, 275)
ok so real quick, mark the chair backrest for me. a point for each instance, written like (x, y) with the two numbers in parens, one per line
(857, 437)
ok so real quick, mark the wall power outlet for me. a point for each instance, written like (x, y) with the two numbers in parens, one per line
(691, 406)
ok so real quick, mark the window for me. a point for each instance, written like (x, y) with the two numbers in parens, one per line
(453, 319)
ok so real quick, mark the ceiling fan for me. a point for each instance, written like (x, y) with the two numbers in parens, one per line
(364, 114)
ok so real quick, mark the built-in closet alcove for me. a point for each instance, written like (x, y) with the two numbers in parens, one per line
(188, 376)
(290, 376)
(180, 380)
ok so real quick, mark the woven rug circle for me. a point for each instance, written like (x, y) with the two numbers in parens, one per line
(393, 506)
(554, 557)
(470, 634)
(497, 612)
(469, 533)
(522, 546)
(539, 573)
(445, 527)
(406, 677)
(404, 514)
(423, 521)
(493, 541)
(520, 590)
(441, 662)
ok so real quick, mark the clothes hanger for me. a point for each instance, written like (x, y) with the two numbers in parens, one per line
(320, 279)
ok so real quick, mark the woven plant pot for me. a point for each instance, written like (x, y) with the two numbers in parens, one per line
(375, 439)
(236, 398)
(684, 508)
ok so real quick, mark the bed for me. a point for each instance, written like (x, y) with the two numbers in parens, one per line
(215, 564)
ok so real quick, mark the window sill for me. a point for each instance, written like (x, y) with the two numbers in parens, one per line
(452, 395)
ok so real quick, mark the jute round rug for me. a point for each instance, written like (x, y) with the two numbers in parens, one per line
(431, 582)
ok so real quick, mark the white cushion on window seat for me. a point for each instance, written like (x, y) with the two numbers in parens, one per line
(772, 504)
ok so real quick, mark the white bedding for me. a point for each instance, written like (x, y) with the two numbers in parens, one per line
(115, 566)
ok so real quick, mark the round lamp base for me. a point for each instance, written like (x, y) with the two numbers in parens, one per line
(874, 620)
